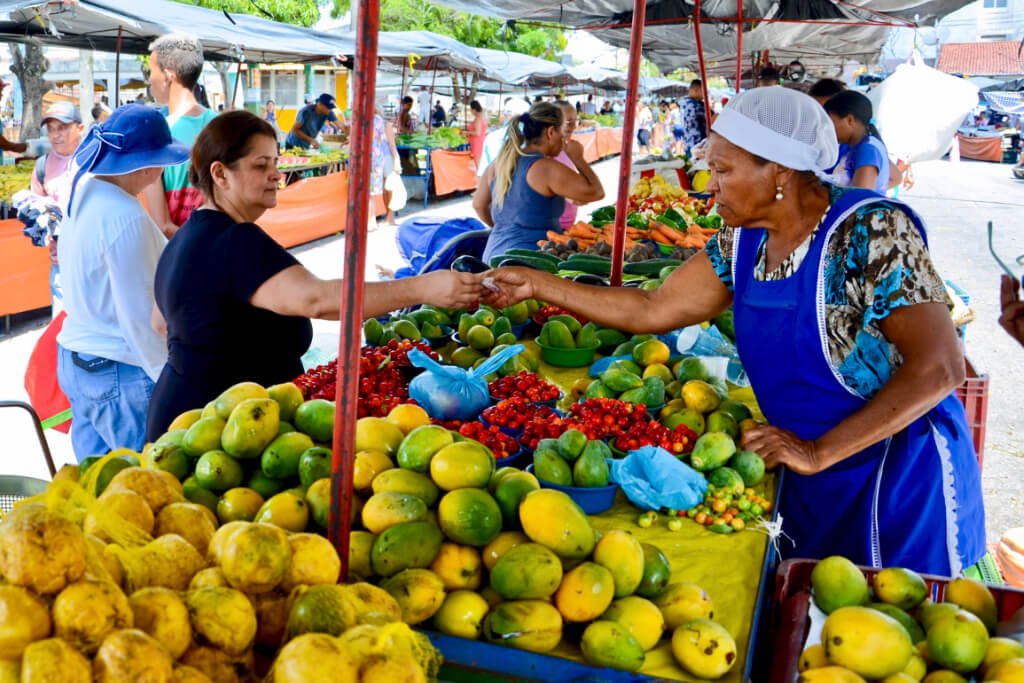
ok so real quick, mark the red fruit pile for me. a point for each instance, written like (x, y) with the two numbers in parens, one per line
(382, 386)
(501, 444)
(525, 384)
(600, 418)
(516, 413)
(545, 312)
(540, 427)
(450, 425)
(678, 441)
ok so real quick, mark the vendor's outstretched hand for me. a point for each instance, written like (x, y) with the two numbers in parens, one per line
(1012, 318)
(514, 285)
(448, 289)
(780, 447)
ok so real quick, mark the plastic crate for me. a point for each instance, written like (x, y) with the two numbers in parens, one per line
(791, 620)
(973, 393)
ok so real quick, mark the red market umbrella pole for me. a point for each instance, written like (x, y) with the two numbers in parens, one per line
(700, 61)
(351, 318)
(739, 49)
(636, 42)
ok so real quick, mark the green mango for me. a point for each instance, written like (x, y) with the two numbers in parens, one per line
(465, 323)
(542, 338)
(572, 323)
(689, 368)
(559, 335)
(517, 314)
(407, 329)
(598, 389)
(625, 348)
(530, 360)
(423, 316)
(638, 396)
(590, 469)
(431, 330)
(712, 450)
(629, 366)
(611, 338)
(726, 478)
(587, 337)
(571, 444)
(372, 330)
(655, 387)
(650, 285)
(485, 316)
(720, 421)
(619, 380)
(501, 326)
(739, 411)
(665, 272)
(506, 339)
(549, 467)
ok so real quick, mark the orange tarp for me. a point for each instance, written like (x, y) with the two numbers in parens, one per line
(982, 149)
(308, 210)
(453, 171)
(609, 141)
(24, 271)
(589, 141)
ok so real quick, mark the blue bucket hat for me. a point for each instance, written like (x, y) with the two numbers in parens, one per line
(133, 138)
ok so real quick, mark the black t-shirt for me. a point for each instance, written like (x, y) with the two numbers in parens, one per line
(215, 337)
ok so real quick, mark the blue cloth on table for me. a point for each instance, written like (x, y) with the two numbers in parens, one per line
(433, 243)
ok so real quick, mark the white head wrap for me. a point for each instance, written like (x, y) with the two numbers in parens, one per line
(780, 125)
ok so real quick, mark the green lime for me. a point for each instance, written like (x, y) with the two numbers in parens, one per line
(218, 471)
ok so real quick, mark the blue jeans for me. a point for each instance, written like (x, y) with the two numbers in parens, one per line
(109, 402)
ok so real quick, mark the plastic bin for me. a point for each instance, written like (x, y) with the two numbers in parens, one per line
(791, 616)
(973, 393)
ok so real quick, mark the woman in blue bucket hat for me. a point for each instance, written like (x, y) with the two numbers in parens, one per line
(109, 355)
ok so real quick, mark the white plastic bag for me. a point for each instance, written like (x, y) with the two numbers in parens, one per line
(918, 110)
(393, 184)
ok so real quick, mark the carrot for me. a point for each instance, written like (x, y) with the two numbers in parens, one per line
(661, 238)
(667, 233)
(557, 237)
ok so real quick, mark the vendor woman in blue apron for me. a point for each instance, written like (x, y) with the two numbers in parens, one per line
(842, 326)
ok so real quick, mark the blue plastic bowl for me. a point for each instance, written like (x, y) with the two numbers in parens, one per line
(592, 500)
(509, 431)
(516, 460)
(519, 330)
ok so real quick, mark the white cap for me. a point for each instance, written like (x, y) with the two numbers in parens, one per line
(781, 125)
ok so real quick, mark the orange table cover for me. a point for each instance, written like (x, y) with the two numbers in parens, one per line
(982, 149)
(308, 210)
(609, 141)
(453, 171)
(24, 271)
(589, 141)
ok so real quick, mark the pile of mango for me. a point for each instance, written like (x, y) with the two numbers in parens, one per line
(891, 630)
(141, 585)
(480, 553)
(489, 330)
(572, 460)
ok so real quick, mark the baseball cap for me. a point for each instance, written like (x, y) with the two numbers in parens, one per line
(65, 112)
(326, 100)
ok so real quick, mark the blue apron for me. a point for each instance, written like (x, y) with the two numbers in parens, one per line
(912, 500)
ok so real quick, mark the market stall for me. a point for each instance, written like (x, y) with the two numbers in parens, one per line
(981, 145)
(24, 271)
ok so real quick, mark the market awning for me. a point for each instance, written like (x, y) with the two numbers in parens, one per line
(428, 51)
(1006, 102)
(95, 24)
(998, 58)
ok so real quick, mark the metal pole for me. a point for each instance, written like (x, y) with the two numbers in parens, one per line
(636, 43)
(401, 91)
(117, 70)
(739, 48)
(234, 90)
(430, 111)
(351, 311)
(700, 60)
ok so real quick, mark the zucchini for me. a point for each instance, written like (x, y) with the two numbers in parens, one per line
(527, 261)
(586, 263)
(538, 254)
(650, 267)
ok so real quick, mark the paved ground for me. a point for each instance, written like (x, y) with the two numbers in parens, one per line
(956, 201)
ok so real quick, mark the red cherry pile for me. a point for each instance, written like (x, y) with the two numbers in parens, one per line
(398, 351)
(516, 413)
(501, 444)
(450, 425)
(600, 418)
(678, 441)
(525, 384)
(545, 312)
(540, 427)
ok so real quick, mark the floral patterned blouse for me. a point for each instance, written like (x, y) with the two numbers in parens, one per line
(876, 262)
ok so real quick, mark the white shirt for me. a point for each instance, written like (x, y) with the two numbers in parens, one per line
(424, 98)
(108, 251)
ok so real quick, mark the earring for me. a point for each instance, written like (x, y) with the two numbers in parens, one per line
(778, 193)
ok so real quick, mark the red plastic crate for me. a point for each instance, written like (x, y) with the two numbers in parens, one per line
(791, 620)
(973, 393)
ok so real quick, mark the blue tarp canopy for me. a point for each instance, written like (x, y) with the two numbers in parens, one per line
(94, 24)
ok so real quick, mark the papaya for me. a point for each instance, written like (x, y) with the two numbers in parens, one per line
(509, 494)
(533, 625)
(316, 418)
(554, 520)
(551, 468)
(405, 546)
(591, 469)
(610, 644)
(418, 592)
(585, 593)
(622, 555)
(469, 516)
(620, 380)
(558, 335)
(598, 389)
(231, 397)
(629, 366)
(712, 450)
(640, 617)
(625, 348)
(657, 572)
(655, 388)
(527, 571)
(401, 480)
(571, 444)
(386, 509)
(750, 467)
(638, 396)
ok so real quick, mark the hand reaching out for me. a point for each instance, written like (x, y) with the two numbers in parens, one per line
(449, 289)
(514, 284)
(1012, 319)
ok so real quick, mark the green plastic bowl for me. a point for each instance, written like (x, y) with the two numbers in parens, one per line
(567, 358)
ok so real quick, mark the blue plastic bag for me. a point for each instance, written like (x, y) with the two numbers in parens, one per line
(652, 479)
(450, 393)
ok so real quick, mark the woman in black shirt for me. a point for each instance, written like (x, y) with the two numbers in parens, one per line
(236, 304)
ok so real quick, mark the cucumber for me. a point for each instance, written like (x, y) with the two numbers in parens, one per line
(535, 254)
(527, 261)
(586, 263)
(650, 267)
